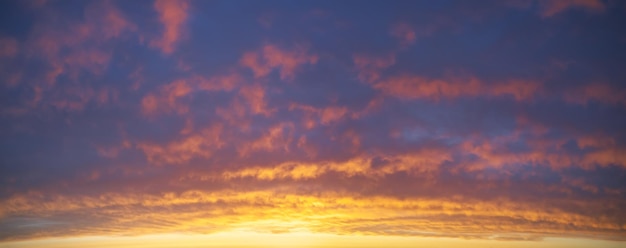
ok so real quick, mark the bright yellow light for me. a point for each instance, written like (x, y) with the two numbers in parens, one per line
(247, 239)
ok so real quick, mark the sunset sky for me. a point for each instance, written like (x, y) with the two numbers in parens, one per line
(313, 123)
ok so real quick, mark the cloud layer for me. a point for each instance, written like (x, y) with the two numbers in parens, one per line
(499, 121)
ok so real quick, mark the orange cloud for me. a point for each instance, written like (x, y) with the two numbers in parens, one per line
(417, 162)
(551, 8)
(199, 145)
(271, 57)
(325, 212)
(277, 137)
(172, 15)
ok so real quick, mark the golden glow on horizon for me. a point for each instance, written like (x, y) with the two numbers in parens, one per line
(246, 239)
(329, 212)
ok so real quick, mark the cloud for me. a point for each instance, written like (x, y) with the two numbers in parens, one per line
(277, 137)
(416, 87)
(254, 95)
(369, 68)
(167, 100)
(327, 212)
(219, 83)
(103, 135)
(404, 33)
(201, 145)
(84, 40)
(551, 8)
(324, 116)
(170, 97)
(8, 47)
(173, 15)
(271, 57)
(64, 48)
(596, 92)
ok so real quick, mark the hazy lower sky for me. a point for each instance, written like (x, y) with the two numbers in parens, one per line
(313, 123)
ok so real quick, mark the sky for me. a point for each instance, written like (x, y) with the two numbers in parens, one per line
(313, 123)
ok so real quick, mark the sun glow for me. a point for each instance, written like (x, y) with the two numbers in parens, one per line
(246, 239)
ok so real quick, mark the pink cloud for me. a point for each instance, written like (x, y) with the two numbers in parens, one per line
(219, 83)
(235, 114)
(113, 151)
(172, 14)
(252, 61)
(71, 49)
(373, 105)
(414, 87)
(8, 47)
(519, 89)
(596, 92)
(254, 95)
(404, 33)
(493, 152)
(149, 104)
(137, 77)
(167, 99)
(74, 102)
(13, 78)
(324, 116)
(77, 98)
(369, 68)
(94, 60)
(202, 144)
(551, 8)
(110, 21)
(271, 57)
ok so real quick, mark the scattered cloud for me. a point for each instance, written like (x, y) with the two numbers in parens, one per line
(271, 57)
(424, 120)
(173, 15)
